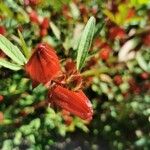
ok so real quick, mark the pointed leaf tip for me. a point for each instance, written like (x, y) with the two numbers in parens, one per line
(85, 42)
(12, 51)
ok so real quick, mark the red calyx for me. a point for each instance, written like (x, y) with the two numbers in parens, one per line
(75, 102)
(43, 65)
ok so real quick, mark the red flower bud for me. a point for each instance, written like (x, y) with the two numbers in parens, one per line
(1, 98)
(146, 39)
(43, 65)
(104, 53)
(2, 30)
(45, 23)
(75, 102)
(144, 75)
(118, 79)
(43, 32)
(34, 17)
(116, 32)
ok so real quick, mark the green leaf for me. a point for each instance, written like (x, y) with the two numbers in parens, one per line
(9, 65)
(99, 27)
(55, 30)
(109, 14)
(5, 10)
(23, 45)
(74, 10)
(12, 51)
(142, 63)
(85, 42)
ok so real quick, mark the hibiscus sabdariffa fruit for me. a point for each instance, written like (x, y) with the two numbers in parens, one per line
(75, 102)
(43, 64)
(64, 87)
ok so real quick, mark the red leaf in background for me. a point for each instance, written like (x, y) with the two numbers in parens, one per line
(1, 117)
(105, 52)
(31, 2)
(117, 32)
(131, 13)
(43, 65)
(118, 79)
(66, 12)
(43, 32)
(2, 54)
(146, 39)
(1, 98)
(75, 102)
(144, 75)
(45, 23)
(34, 17)
(2, 30)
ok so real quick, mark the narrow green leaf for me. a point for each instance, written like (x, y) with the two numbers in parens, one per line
(23, 45)
(142, 63)
(11, 51)
(55, 30)
(74, 10)
(9, 65)
(85, 42)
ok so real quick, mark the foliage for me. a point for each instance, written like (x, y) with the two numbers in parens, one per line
(110, 43)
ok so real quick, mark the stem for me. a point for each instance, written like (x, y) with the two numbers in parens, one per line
(95, 71)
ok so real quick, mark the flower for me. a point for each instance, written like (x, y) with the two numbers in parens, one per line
(75, 102)
(43, 65)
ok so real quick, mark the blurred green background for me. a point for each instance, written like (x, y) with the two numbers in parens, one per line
(116, 74)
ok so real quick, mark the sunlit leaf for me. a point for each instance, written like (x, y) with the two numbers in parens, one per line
(55, 30)
(23, 45)
(75, 11)
(11, 51)
(85, 42)
(125, 52)
(9, 65)
(142, 63)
